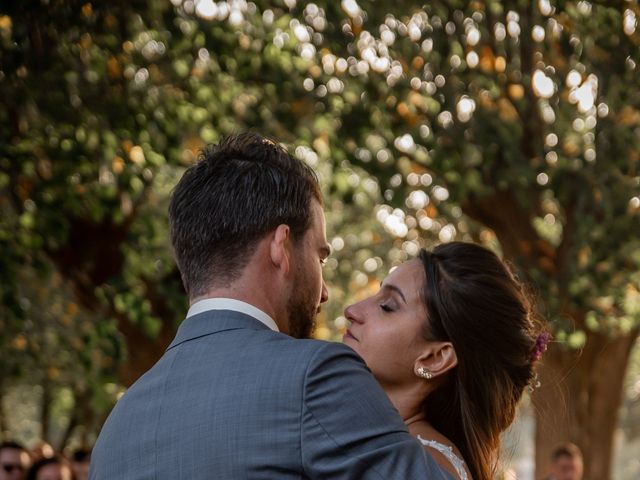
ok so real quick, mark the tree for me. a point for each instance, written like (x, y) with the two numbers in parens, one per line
(511, 123)
(86, 166)
(527, 117)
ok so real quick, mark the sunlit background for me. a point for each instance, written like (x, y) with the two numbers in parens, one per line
(514, 124)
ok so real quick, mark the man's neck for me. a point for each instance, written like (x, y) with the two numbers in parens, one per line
(223, 303)
(256, 297)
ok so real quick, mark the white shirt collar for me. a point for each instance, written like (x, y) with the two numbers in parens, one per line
(232, 304)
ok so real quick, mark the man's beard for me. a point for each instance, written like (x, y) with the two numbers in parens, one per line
(302, 319)
(302, 308)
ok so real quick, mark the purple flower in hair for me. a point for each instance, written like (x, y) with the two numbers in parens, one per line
(541, 346)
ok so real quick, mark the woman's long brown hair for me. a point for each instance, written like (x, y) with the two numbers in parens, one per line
(474, 301)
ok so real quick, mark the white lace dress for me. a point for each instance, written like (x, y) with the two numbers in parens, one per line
(447, 451)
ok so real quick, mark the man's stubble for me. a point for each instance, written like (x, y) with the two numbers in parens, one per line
(302, 306)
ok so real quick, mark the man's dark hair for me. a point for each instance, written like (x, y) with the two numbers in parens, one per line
(239, 190)
(566, 450)
(32, 474)
(81, 455)
(12, 445)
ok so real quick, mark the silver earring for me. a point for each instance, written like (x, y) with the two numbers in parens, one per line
(424, 373)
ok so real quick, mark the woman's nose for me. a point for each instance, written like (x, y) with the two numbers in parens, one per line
(352, 313)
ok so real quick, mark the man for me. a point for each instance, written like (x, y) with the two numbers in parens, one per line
(50, 468)
(80, 460)
(234, 397)
(566, 463)
(14, 461)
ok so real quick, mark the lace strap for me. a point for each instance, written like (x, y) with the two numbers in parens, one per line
(447, 451)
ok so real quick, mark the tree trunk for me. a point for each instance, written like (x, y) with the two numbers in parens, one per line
(92, 257)
(45, 411)
(3, 418)
(579, 400)
(581, 391)
(71, 426)
(142, 350)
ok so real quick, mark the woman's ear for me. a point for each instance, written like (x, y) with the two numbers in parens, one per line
(280, 248)
(436, 360)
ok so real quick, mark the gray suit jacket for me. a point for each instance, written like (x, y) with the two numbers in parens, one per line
(232, 399)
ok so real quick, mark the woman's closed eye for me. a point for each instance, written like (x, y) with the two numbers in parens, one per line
(386, 307)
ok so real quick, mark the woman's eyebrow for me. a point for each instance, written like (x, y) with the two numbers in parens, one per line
(394, 288)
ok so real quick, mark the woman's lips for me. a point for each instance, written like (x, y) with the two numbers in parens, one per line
(347, 335)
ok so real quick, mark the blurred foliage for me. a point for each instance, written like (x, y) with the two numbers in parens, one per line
(514, 124)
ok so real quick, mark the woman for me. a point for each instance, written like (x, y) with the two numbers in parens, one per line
(451, 339)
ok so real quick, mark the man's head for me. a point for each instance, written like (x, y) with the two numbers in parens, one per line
(14, 461)
(50, 468)
(240, 192)
(567, 463)
(80, 460)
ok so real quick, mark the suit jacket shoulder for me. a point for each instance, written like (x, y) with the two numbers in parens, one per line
(232, 399)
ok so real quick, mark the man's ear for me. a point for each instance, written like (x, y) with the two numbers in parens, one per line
(437, 359)
(280, 248)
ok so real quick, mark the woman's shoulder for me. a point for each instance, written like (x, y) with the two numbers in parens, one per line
(444, 452)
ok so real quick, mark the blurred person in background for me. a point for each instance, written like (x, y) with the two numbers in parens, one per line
(566, 463)
(80, 460)
(52, 468)
(42, 450)
(14, 461)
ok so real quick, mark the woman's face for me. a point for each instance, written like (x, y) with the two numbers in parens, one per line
(386, 328)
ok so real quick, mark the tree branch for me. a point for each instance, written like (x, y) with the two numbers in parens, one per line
(513, 226)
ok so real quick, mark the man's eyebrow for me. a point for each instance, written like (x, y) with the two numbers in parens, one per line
(393, 288)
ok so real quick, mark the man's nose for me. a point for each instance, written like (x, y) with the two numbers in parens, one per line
(324, 294)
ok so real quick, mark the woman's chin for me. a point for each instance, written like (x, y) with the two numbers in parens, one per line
(351, 343)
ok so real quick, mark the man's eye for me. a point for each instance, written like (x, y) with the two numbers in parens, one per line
(385, 308)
